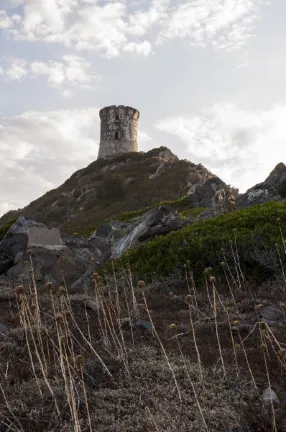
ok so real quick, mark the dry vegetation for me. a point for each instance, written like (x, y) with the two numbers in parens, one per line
(125, 356)
(97, 192)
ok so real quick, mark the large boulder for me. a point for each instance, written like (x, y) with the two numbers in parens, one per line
(119, 236)
(51, 257)
(201, 194)
(16, 240)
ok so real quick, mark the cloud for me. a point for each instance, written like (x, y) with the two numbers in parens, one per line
(121, 26)
(40, 150)
(17, 70)
(5, 21)
(70, 71)
(223, 24)
(240, 146)
(139, 48)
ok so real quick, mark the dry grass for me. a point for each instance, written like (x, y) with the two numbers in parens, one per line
(160, 357)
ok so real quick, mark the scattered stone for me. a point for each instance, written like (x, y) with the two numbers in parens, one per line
(91, 304)
(268, 395)
(142, 324)
(244, 329)
(272, 315)
(3, 329)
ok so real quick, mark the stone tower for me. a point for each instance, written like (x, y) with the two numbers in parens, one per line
(118, 130)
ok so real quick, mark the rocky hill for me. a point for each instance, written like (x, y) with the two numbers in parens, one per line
(107, 188)
(168, 317)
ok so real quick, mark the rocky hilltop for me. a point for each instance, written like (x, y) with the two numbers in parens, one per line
(108, 187)
(169, 314)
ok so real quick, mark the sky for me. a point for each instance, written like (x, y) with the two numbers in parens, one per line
(208, 77)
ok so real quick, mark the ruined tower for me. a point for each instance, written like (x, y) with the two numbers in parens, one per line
(118, 130)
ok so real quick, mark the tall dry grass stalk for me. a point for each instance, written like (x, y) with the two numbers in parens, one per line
(280, 261)
(212, 281)
(141, 285)
(228, 268)
(188, 299)
(192, 385)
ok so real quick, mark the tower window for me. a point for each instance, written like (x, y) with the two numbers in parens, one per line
(117, 117)
(116, 135)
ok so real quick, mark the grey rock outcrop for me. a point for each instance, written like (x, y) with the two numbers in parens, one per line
(121, 236)
(272, 189)
(201, 194)
(15, 241)
(51, 258)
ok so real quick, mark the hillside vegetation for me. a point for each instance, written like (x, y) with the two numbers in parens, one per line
(250, 231)
(108, 188)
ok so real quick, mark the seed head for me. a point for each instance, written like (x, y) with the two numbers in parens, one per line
(141, 284)
(276, 245)
(222, 263)
(263, 347)
(19, 290)
(68, 314)
(188, 298)
(61, 291)
(260, 306)
(282, 305)
(234, 230)
(172, 326)
(261, 324)
(79, 360)
(171, 294)
(92, 260)
(207, 270)
(212, 279)
(235, 323)
(282, 353)
(278, 220)
(49, 286)
(29, 251)
(59, 317)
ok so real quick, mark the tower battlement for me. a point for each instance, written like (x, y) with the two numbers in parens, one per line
(118, 130)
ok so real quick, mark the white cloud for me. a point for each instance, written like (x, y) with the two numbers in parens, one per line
(5, 21)
(17, 69)
(70, 71)
(240, 146)
(139, 48)
(225, 24)
(39, 150)
(114, 27)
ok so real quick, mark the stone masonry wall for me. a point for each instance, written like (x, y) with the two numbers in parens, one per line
(119, 130)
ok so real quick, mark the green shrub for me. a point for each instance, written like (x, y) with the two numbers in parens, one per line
(4, 228)
(201, 242)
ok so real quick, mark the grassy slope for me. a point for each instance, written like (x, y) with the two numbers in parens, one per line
(201, 242)
(182, 205)
(107, 188)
